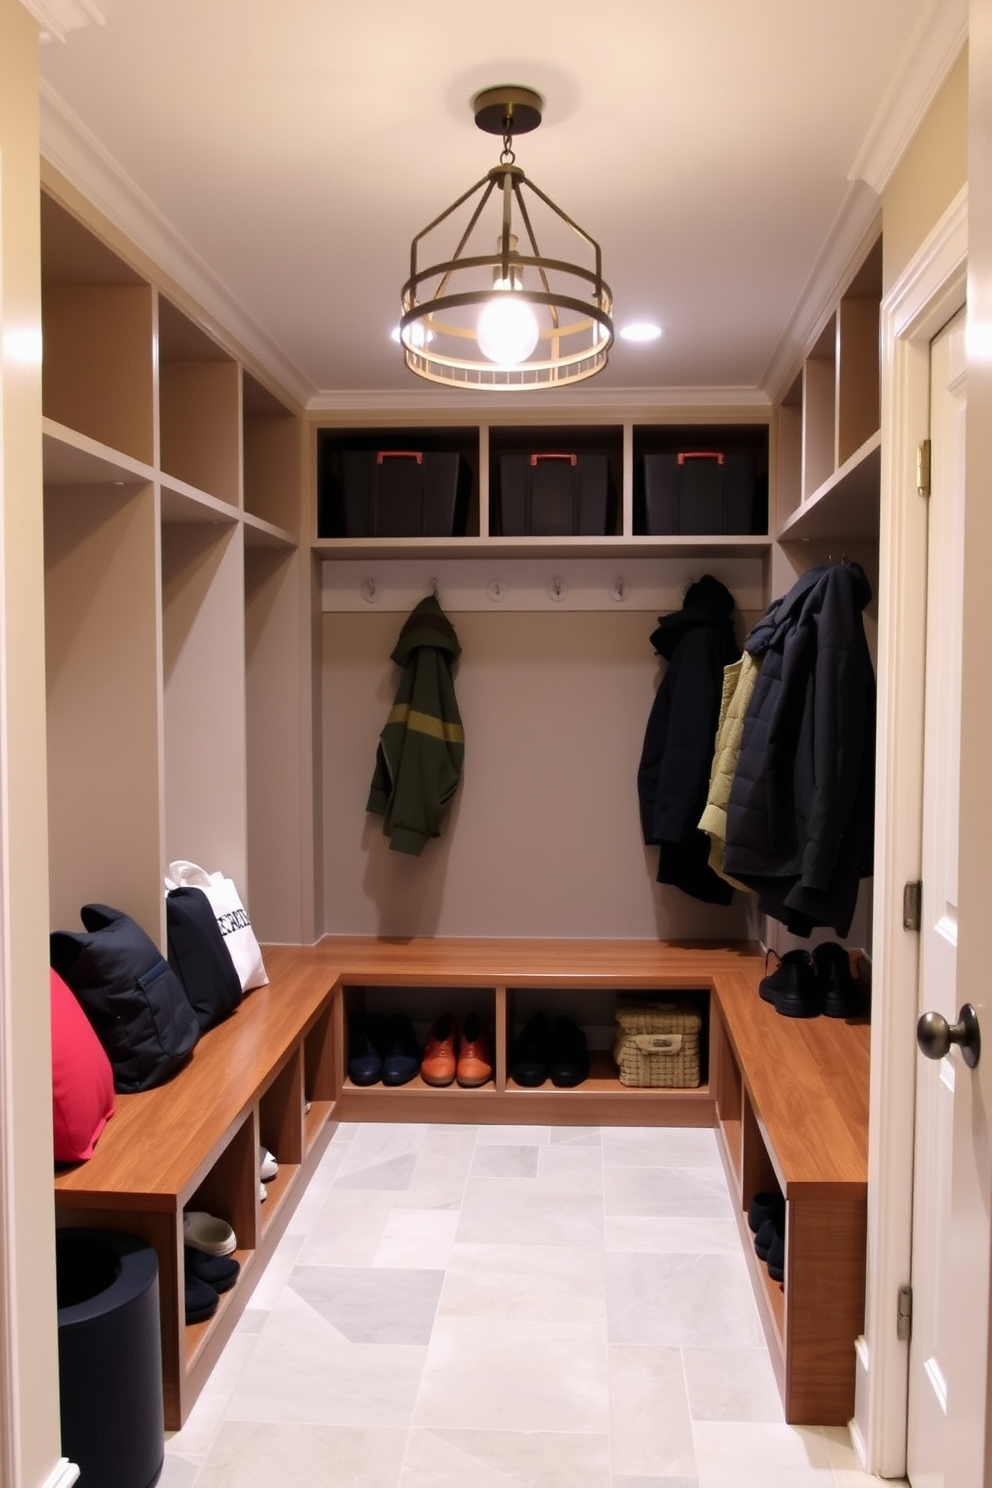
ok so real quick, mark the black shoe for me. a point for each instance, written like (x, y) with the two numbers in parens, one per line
(792, 987)
(366, 1040)
(765, 1238)
(569, 1062)
(200, 1300)
(838, 985)
(219, 1272)
(775, 1260)
(770, 1205)
(531, 1053)
(401, 1052)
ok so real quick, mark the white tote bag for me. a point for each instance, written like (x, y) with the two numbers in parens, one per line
(232, 917)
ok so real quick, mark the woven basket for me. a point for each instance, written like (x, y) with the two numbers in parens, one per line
(657, 1044)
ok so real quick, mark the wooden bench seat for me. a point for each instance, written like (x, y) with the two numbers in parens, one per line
(789, 1099)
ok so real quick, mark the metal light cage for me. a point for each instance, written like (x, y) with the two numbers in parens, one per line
(441, 301)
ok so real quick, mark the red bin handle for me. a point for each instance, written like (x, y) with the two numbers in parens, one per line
(400, 455)
(573, 460)
(701, 455)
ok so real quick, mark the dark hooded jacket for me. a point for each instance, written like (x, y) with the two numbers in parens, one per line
(421, 748)
(800, 820)
(674, 773)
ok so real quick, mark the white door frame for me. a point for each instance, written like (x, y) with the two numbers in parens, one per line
(923, 299)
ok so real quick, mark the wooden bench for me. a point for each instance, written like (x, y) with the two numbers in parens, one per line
(789, 1099)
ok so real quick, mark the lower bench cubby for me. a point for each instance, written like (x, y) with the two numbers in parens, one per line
(792, 1114)
(193, 1144)
(505, 1006)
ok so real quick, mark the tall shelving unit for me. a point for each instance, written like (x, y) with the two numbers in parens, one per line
(172, 500)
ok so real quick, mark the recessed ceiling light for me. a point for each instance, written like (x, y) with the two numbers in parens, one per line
(641, 330)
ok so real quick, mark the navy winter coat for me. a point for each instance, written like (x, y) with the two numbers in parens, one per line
(800, 821)
(674, 774)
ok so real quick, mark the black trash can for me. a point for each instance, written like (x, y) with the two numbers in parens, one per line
(110, 1358)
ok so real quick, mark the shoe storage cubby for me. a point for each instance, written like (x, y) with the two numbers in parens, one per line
(792, 1118)
(193, 1143)
(504, 1008)
(173, 583)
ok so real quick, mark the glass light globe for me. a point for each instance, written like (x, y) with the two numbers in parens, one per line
(507, 329)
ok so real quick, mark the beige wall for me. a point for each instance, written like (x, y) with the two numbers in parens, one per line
(544, 836)
(29, 1427)
(929, 176)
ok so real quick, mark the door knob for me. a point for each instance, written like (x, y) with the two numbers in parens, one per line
(935, 1035)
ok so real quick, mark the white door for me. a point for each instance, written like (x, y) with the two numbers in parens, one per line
(948, 1352)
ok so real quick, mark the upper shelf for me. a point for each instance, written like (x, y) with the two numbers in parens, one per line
(845, 507)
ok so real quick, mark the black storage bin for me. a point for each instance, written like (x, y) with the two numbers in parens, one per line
(402, 493)
(110, 1357)
(553, 495)
(700, 492)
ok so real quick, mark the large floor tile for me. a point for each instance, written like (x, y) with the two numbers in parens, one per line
(534, 1136)
(680, 1301)
(699, 1193)
(303, 1370)
(443, 1458)
(638, 1482)
(210, 1409)
(679, 1234)
(177, 1472)
(576, 1136)
(752, 1455)
(417, 1237)
(493, 1375)
(660, 1147)
(731, 1384)
(347, 1231)
(508, 1213)
(504, 1161)
(255, 1454)
(650, 1428)
(529, 1283)
(371, 1305)
(568, 1168)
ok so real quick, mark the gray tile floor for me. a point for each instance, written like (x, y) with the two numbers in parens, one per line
(505, 1307)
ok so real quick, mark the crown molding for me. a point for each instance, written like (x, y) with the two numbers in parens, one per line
(68, 146)
(932, 52)
(852, 233)
(624, 400)
(58, 17)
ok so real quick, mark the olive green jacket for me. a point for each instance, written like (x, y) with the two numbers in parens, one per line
(421, 748)
(738, 684)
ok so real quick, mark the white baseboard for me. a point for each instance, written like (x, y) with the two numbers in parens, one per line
(63, 1475)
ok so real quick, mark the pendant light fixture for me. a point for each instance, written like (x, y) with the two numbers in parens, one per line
(497, 312)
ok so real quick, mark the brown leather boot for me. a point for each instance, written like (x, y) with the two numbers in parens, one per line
(475, 1058)
(440, 1052)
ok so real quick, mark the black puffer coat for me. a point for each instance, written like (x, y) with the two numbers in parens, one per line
(800, 820)
(673, 777)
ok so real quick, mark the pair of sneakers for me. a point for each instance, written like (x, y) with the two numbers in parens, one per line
(807, 983)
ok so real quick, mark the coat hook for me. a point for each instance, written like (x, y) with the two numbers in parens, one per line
(370, 590)
(619, 590)
(435, 590)
(557, 589)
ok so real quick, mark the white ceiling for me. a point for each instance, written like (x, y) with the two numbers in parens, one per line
(277, 160)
